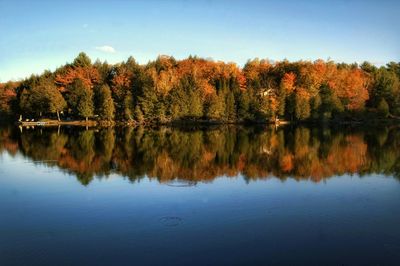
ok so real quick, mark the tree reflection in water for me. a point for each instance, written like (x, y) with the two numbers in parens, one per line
(200, 155)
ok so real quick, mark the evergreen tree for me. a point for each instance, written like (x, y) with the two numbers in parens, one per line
(148, 101)
(31, 101)
(41, 99)
(80, 99)
(105, 106)
(230, 109)
(146, 95)
(302, 107)
(243, 106)
(215, 108)
(56, 102)
(326, 106)
(179, 103)
(387, 86)
(73, 94)
(104, 70)
(383, 108)
(128, 106)
(315, 104)
(281, 102)
(82, 60)
(85, 103)
(290, 106)
(195, 104)
(330, 103)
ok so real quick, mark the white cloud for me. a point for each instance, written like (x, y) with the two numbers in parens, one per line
(106, 49)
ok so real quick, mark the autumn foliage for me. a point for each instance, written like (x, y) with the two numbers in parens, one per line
(168, 90)
(168, 154)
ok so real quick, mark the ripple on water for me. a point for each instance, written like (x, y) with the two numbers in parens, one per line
(171, 221)
(181, 183)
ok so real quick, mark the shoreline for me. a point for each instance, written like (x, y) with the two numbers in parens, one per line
(101, 123)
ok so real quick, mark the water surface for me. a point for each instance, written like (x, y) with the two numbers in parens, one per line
(225, 195)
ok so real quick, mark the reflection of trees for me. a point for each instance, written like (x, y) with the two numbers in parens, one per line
(202, 155)
(8, 142)
(43, 146)
(384, 151)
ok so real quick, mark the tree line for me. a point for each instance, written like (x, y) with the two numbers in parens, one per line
(197, 89)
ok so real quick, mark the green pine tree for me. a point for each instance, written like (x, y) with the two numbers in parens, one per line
(230, 108)
(106, 107)
(85, 103)
(383, 108)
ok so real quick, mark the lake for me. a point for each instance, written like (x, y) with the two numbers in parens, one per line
(200, 196)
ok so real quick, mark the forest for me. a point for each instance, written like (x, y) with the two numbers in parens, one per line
(195, 89)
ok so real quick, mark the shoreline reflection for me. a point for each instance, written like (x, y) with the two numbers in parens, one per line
(201, 155)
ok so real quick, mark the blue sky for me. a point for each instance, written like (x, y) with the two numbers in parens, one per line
(39, 35)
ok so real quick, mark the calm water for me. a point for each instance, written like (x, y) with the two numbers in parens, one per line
(226, 195)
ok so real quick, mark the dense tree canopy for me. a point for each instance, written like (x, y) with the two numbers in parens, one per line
(167, 90)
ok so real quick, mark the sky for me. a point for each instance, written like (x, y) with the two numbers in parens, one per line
(39, 35)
